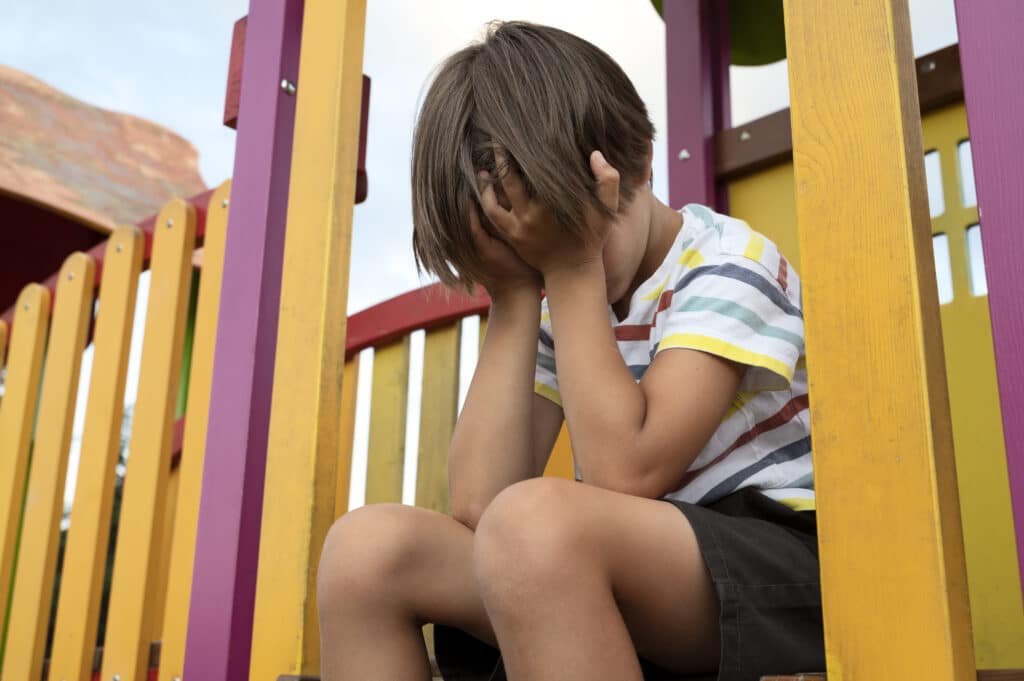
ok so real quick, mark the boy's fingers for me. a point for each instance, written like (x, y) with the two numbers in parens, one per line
(511, 183)
(607, 181)
(502, 219)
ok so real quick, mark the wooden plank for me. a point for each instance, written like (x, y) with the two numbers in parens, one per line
(304, 427)
(44, 497)
(78, 611)
(990, 40)
(139, 540)
(438, 410)
(179, 581)
(228, 531)
(880, 421)
(17, 417)
(385, 459)
(560, 464)
(349, 389)
(233, 91)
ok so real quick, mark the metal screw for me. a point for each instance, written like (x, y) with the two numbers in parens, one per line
(117, 677)
(223, 204)
(25, 306)
(744, 136)
(928, 66)
(176, 678)
(288, 86)
(71, 276)
(119, 248)
(170, 223)
(684, 154)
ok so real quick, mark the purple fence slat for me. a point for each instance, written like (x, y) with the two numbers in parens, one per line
(697, 74)
(227, 543)
(991, 50)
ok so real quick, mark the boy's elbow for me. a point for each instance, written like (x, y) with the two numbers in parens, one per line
(468, 512)
(634, 475)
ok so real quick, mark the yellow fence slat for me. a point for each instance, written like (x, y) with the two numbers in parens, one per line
(78, 610)
(133, 590)
(163, 553)
(385, 459)
(3, 341)
(17, 416)
(179, 581)
(303, 441)
(438, 410)
(885, 479)
(560, 464)
(44, 498)
(349, 388)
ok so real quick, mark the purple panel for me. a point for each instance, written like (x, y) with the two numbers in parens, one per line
(990, 45)
(227, 543)
(697, 74)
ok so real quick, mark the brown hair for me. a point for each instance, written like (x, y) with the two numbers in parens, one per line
(549, 99)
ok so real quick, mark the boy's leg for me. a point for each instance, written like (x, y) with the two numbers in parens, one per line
(384, 571)
(574, 578)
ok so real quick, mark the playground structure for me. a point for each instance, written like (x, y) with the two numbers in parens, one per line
(223, 519)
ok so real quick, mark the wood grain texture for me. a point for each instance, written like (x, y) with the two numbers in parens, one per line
(305, 431)
(438, 411)
(17, 417)
(879, 416)
(78, 610)
(44, 497)
(139, 540)
(385, 459)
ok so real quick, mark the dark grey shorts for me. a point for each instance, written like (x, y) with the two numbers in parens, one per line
(763, 558)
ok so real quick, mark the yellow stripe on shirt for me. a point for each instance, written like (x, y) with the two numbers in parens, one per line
(755, 247)
(691, 258)
(548, 392)
(717, 346)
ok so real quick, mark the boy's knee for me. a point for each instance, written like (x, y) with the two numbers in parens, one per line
(530, 535)
(365, 554)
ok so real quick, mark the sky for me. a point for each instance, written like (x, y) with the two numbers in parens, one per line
(167, 62)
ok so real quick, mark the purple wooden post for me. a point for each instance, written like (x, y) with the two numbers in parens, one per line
(697, 74)
(227, 542)
(990, 45)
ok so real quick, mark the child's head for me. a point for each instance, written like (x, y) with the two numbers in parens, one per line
(549, 99)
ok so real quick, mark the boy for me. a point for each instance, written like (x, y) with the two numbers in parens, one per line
(669, 342)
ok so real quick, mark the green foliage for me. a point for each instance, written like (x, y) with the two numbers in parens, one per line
(757, 33)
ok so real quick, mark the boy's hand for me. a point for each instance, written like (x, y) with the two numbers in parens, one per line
(505, 269)
(531, 230)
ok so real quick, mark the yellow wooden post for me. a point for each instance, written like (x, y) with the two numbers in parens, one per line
(133, 592)
(179, 581)
(893, 578)
(302, 454)
(385, 459)
(438, 410)
(3, 340)
(349, 387)
(17, 416)
(44, 498)
(74, 640)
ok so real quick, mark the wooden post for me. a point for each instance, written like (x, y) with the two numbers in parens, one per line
(892, 564)
(990, 43)
(305, 430)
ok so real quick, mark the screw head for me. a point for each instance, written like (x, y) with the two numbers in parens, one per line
(744, 136)
(117, 677)
(118, 248)
(170, 223)
(71, 276)
(684, 154)
(928, 66)
(288, 86)
(223, 204)
(25, 306)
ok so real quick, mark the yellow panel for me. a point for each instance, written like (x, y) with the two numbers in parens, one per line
(305, 431)
(439, 408)
(74, 640)
(139, 541)
(349, 388)
(44, 498)
(163, 556)
(767, 202)
(885, 474)
(560, 464)
(385, 460)
(985, 505)
(17, 415)
(179, 579)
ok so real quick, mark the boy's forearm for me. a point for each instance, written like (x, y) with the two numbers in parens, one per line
(492, 443)
(604, 406)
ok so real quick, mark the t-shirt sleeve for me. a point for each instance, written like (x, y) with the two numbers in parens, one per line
(736, 309)
(546, 379)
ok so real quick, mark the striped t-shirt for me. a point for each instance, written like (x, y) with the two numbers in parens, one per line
(726, 290)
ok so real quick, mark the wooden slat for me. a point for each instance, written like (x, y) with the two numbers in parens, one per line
(885, 479)
(179, 580)
(438, 410)
(483, 332)
(133, 589)
(17, 416)
(385, 459)
(163, 553)
(44, 497)
(349, 389)
(78, 610)
(3, 341)
(302, 454)
(560, 464)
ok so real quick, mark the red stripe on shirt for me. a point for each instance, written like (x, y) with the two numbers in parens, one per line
(781, 417)
(783, 272)
(633, 332)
